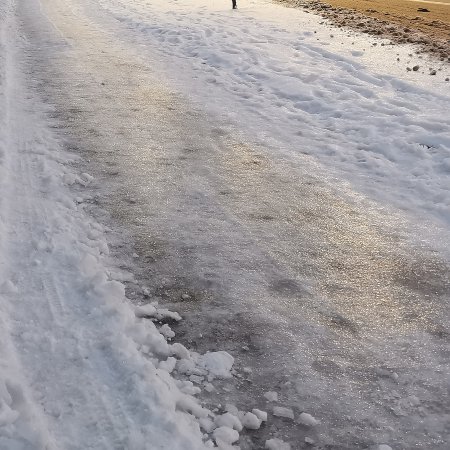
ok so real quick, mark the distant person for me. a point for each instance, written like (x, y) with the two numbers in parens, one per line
(234, 4)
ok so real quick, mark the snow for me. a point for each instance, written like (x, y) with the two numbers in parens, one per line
(271, 396)
(347, 104)
(73, 351)
(152, 310)
(229, 420)
(226, 435)
(282, 411)
(251, 421)
(308, 419)
(218, 364)
(262, 415)
(145, 311)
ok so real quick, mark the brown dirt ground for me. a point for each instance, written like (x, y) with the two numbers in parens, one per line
(435, 23)
(397, 20)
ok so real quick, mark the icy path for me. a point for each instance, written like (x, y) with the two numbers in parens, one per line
(337, 302)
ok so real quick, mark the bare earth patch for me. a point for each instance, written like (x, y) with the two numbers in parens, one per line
(401, 21)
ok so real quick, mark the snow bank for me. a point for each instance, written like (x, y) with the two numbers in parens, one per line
(78, 365)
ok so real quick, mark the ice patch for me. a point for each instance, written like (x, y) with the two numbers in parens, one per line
(218, 364)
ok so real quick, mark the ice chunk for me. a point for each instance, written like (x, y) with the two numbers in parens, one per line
(384, 447)
(207, 424)
(145, 311)
(218, 364)
(226, 435)
(166, 314)
(168, 365)
(308, 419)
(271, 396)
(281, 411)
(251, 421)
(180, 351)
(231, 409)
(277, 444)
(7, 415)
(86, 178)
(151, 310)
(262, 415)
(228, 420)
(166, 331)
(196, 379)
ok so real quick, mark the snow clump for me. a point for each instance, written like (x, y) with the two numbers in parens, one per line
(228, 420)
(262, 415)
(308, 419)
(251, 421)
(225, 435)
(218, 364)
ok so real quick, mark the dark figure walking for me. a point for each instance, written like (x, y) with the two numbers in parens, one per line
(234, 4)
